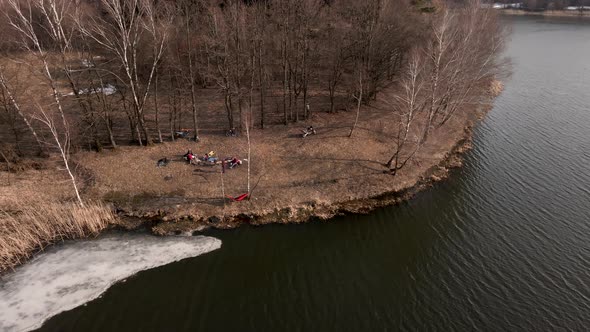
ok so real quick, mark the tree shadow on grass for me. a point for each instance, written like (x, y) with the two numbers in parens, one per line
(358, 162)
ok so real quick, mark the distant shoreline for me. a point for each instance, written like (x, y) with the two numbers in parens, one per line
(546, 13)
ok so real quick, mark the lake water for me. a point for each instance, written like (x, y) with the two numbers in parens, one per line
(502, 245)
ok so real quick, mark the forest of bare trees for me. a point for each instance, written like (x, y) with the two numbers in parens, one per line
(94, 74)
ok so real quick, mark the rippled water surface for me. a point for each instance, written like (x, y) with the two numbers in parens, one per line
(503, 245)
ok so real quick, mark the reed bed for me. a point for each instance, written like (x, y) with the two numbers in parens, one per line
(496, 87)
(27, 229)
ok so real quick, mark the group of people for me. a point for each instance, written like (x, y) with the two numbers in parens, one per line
(233, 162)
(210, 157)
(190, 157)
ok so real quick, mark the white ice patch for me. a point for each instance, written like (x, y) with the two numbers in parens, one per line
(108, 90)
(67, 276)
(87, 63)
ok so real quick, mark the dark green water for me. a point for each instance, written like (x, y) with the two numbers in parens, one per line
(502, 245)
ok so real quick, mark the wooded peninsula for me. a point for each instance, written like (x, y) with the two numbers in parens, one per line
(178, 115)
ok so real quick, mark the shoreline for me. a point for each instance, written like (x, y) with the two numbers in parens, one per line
(285, 148)
(192, 224)
(316, 178)
(546, 13)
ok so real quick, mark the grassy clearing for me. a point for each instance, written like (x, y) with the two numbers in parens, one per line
(26, 229)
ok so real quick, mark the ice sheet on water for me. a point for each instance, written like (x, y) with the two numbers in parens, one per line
(67, 276)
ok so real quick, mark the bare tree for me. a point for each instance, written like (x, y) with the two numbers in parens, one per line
(248, 117)
(10, 103)
(120, 32)
(365, 19)
(478, 60)
(452, 72)
(409, 105)
(463, 58)
(358, 97)
(21, 22)
(60, 135)
(220, 55)
(156, 106)
(54, 18)
(228, 55)
(259, 39)
(191, 78)
(443, 34)
(62, 141)
(96, 95)
(338, 59)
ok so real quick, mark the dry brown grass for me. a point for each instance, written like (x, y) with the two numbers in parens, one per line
(37, 209)
(496, 87)
(327, 168)
(28, 228)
